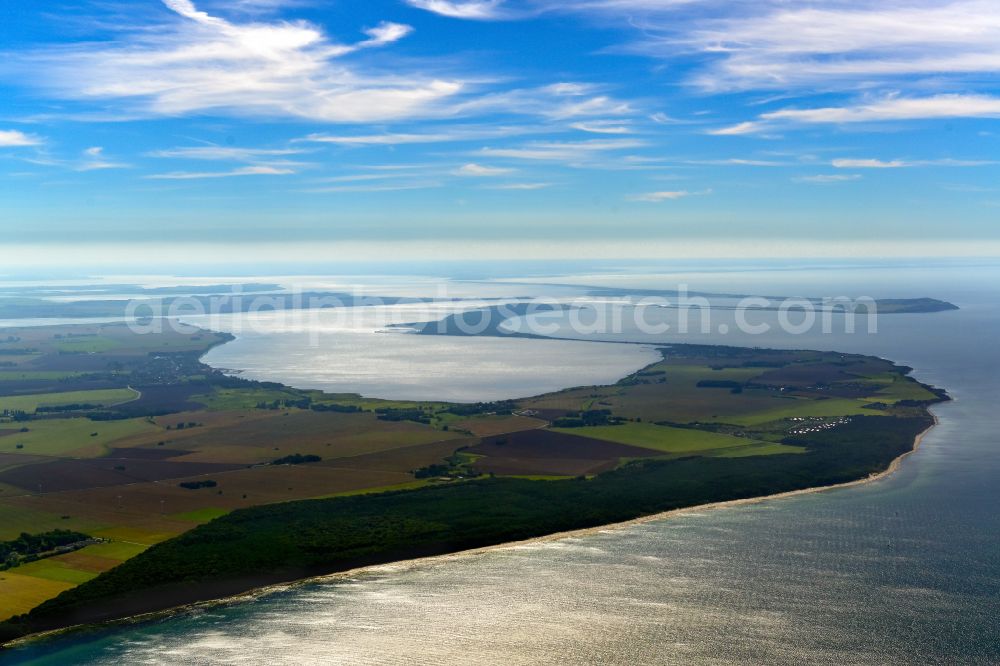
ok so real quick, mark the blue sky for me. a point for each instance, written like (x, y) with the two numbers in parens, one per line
(524, 128)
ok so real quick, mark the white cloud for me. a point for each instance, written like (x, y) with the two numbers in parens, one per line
(562, 151)
(880, 110)
(89, 159)
(737, 161)
(16, 139)
(602, 127)
(870, 163)
(464, 9)
(661, 118)
(896, 108)
(242, 171)
(851, 163)
(658, 197)
(200, 63)
(95, 160)
(478, 170)
(450, 134)
(356, 177)
(496, 10)
(388, 187)
(748, 127)
(224, 153)
(773, 44)
(394, 139)
(519, 186)
(777, 44)
(384, 33)
(828, 178)
(559, 101)
(595, 106)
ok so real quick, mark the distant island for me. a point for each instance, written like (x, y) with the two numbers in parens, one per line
(231, 298)
(912, 305)
(184, 484)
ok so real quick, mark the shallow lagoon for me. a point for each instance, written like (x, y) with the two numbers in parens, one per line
(352, 350)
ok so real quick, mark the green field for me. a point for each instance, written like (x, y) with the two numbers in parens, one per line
(785, 408)
(370, 404)
(420, 483)
(19, 594)
(661, 438)
(15, 518)
(51, 568)
(904, 389)
(115, 550)
(22, 375)
(131, 536)
(761, 449)
(225, 400)
(27, 585)
(201, 515)
(29, 403)
(88, 345)
(71, 437)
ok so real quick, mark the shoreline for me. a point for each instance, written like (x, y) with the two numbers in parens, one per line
(262, 591)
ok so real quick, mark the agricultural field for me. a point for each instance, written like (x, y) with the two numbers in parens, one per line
(484, 426)
(130, 439)
(98, 398)
(665, 438)
(706, 386)
(26, 586)
(75, 437)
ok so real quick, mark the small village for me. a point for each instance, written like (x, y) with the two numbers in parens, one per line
(815, 424)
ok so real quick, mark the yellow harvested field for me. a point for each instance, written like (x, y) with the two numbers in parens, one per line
(19, 594)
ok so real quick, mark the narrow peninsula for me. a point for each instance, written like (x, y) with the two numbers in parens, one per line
(181, 484)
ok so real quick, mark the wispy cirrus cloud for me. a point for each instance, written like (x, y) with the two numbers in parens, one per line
(481, 171)
(868, 163)
(740, 161)
(18, 139)
(872, 163)
(827, 178)
(388, 139)
(880, 110)
(225, 153)
(562, 151)
(88, 159)
(565, 100)
(449, 134)
(481, 10)
(242, 171)
(94, 159)
(745, 127)
(665, 195)
(384, 33)
(602, 127)
(381, 187)
(518, 186)
(201, 63)
(503, 10)
(775, 45)
(357, 177)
